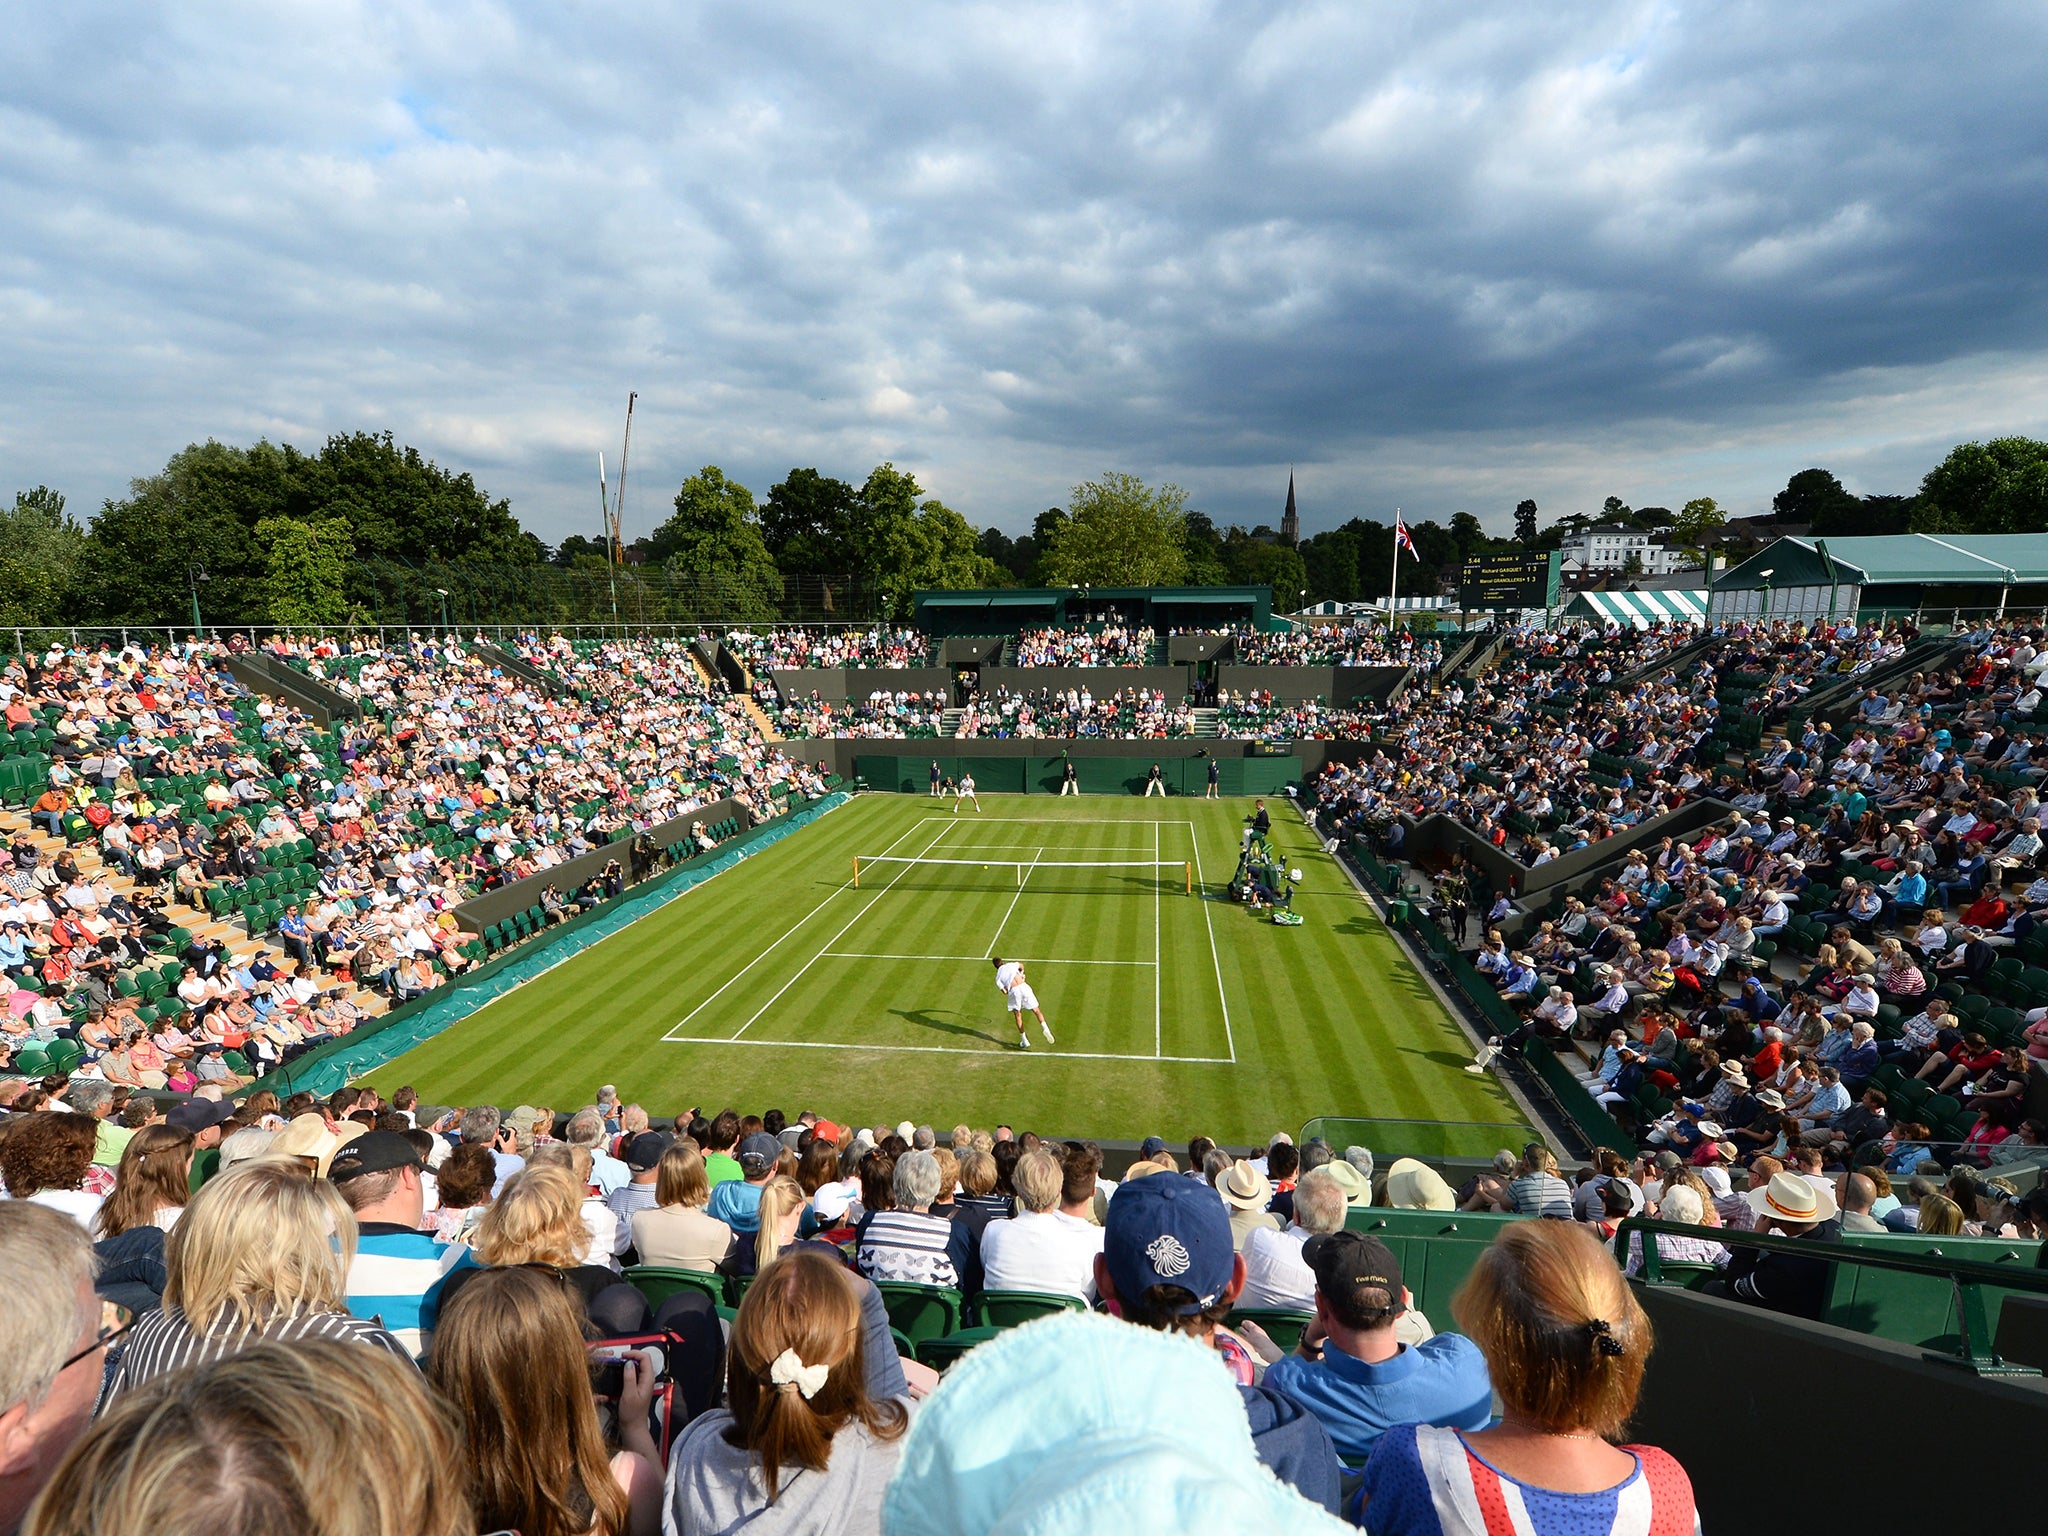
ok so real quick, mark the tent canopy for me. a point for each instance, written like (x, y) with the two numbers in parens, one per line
(1639, 609)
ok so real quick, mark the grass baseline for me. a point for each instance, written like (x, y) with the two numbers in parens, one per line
(1326, 1019)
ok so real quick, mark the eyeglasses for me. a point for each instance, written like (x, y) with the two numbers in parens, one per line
(107, 1335)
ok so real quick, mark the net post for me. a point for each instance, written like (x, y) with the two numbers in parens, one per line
(856, 873)
(1188, 868)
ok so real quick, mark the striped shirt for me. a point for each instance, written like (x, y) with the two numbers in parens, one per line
(164, 1341)
(1427, 1482)
(396, 1278)
(908, 1245)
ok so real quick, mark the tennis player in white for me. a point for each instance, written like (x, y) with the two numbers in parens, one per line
(1021, 999)
(966, 792)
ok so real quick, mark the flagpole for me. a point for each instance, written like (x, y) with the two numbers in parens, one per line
(1394, 581)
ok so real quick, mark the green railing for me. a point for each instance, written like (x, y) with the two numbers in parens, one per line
(1426, 1139)
(1969, 1280)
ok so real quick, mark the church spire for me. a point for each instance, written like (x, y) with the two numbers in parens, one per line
(1290, 523)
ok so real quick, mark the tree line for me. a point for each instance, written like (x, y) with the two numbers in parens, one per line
(366, 529)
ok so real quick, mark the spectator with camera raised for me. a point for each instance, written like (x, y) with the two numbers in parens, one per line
(514, 1338)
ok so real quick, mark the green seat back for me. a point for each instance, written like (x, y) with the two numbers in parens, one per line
(1006, 1309)
(921, 1312)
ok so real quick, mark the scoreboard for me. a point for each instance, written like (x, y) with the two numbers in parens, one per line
(1511, 579)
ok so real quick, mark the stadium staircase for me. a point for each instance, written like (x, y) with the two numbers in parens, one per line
(197, 921)
(761, 721)
(1206, 726)
(949, 723)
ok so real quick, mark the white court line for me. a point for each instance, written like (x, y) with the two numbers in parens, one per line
(1018, 821)
(863, 912)
(1158, 1040)
(848, 954)
(1026, 875)
(948, 1050)
(1214, 959)
(821, 906)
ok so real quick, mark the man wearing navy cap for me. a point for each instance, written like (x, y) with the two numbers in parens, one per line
(1167, 1263)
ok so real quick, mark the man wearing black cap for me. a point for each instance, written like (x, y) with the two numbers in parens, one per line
(1354, 1375)
(398, 1269)
(1167, 1263)
(737, 1202)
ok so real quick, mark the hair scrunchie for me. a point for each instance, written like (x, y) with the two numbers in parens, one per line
(1602, 1337)
(789, 1370)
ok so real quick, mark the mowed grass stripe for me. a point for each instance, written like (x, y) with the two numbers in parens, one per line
(1329, 1017)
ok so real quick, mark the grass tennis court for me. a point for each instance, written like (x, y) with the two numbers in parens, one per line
(781, 983)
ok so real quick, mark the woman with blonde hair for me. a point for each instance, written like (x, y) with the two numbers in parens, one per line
(1939, 1217)
(805, 1432)
(320, 1438)
(537, 1219)
(262, 1253)
(516, 1336)
(1565, 1342)
(678, 1233)
(782, 1210)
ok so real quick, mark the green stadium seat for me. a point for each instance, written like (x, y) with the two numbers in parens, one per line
(921, 1312)
(939, 1354)
(1283, 1326)
(1006, 1309)
(657, 1283)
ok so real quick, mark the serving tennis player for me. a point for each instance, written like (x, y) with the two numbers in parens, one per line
(1021, 999)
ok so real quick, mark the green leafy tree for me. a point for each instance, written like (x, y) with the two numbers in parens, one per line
(806, 522)
(1810, 498)
(1258, 559)
(579, 552)
(948, 551)
(1698, 524)
(1331, 560)
(1121, 533)
(204, 506)
(1467, 534)
(1614, 510)
(400, 505)
(306, 562)
(1203, 546)
(41, 554)
(1525, 521)
(1995, 487)
(713, 536)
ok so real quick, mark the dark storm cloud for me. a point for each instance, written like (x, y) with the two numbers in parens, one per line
(1443, 256)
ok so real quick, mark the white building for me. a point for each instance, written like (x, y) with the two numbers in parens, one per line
(1609, 547)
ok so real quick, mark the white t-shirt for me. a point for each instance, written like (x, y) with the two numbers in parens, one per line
(1047, 1251)
(1008, 974)
(1274, 1272)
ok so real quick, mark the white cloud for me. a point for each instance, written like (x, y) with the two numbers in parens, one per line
(1441, 256)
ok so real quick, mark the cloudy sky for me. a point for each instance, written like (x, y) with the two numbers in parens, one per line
(1440, 256)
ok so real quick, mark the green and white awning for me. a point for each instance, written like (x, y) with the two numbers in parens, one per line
(1639, 609)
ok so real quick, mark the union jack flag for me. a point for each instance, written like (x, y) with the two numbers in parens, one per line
(1401, 539)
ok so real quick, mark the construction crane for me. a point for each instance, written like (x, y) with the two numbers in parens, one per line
(612, 509)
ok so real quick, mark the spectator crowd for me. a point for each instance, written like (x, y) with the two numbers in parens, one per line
(356, 1315)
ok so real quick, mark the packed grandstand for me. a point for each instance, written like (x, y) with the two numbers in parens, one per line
(1805, 997)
